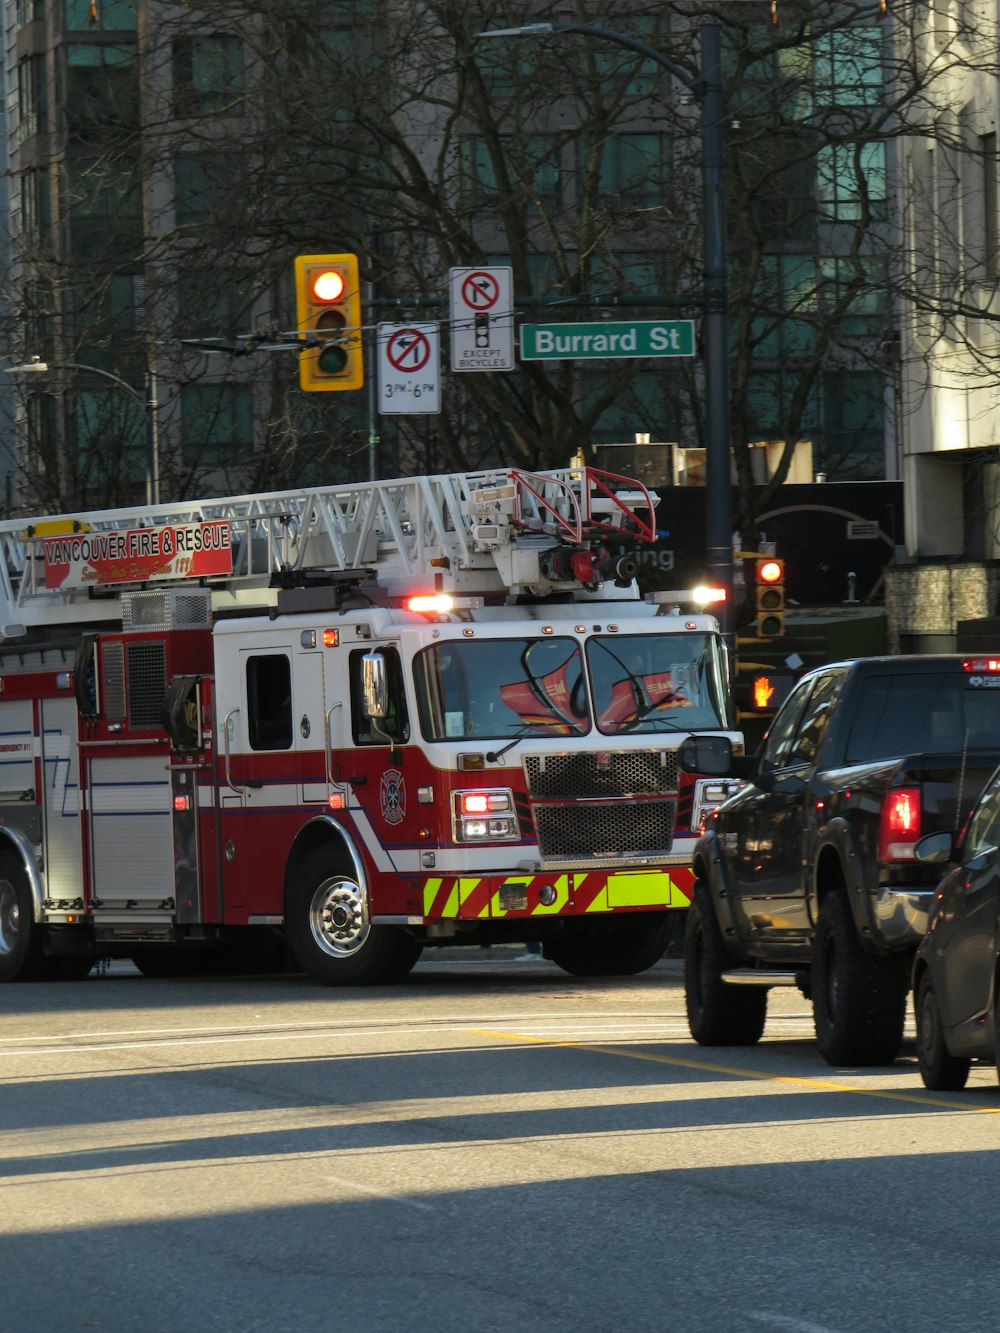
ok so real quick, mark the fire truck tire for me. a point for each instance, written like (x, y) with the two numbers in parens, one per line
(623, 954)
(21, 956)
(859, 999)
(329, 936)
(718, 1014)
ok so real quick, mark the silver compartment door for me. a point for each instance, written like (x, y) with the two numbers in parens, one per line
(131, 831)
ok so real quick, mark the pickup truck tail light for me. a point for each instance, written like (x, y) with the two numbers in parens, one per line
(900, 824)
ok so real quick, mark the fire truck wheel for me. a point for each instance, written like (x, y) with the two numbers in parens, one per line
(21, 957)
(329, 935)
(621, 954)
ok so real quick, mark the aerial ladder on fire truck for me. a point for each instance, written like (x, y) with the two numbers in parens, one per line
(495, 533)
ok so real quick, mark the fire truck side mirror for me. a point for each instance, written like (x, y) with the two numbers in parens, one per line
(374, 686)
(708, 755)
(85, 676)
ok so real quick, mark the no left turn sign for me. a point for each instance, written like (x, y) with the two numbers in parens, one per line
(409, 368)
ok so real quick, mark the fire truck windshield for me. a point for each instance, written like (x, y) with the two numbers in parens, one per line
(505, 688)
(656, 682)
(495, 688)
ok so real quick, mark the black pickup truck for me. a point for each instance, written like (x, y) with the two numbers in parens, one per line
(806, 876)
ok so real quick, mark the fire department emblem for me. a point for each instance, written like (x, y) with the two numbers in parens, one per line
(392, 796)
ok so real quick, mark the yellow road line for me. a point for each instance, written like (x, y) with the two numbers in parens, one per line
(734, 1071)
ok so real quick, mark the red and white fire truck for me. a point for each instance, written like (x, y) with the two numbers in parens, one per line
(352, 723)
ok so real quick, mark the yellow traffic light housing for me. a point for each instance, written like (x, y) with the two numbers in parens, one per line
(328, 313)
(770, 597)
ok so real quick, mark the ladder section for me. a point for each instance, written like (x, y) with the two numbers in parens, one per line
(484, 530)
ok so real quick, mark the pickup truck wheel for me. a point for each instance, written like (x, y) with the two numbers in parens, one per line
(718, 1014)
(622, 954)
(329, 934)
(940, 1070)
(859, 999)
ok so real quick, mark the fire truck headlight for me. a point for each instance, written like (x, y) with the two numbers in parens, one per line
(484, 815)
(547, 895)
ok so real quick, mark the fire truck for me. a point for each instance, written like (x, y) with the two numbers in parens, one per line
(344, 725)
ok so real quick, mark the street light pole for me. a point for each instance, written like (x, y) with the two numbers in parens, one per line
(707, 88)
(147, 401)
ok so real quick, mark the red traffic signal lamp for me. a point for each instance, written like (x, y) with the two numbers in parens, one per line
(770, 597)
(328, 312)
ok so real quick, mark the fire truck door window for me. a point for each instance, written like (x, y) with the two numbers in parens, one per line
(394, 728)
(269, 701)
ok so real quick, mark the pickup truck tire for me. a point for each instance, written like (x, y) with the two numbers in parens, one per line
(718, 1014)
(328, 932)
(622, 954)
(859, 999)
(940, 1070)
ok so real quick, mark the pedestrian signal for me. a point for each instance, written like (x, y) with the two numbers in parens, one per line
(328, 313)
(769, 690)
(770, 597)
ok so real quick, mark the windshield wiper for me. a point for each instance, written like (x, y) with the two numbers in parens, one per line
(523, 728)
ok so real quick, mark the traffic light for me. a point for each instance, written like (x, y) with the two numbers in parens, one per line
(770, 597)
(328, 311)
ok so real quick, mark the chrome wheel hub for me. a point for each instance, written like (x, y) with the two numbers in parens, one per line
(338, 917)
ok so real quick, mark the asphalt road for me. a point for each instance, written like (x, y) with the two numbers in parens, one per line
(493, 1146)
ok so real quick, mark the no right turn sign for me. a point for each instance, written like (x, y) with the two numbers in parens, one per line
(482, 318)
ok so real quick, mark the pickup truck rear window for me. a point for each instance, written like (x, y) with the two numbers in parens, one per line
(900, 715)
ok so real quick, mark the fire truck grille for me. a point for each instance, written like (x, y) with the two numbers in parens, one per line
(571, 819)
(147, 683)
(632, 828)
(602, 773)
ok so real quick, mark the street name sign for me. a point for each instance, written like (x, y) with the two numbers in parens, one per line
(580, 342)
(482, 318)
(409, 368)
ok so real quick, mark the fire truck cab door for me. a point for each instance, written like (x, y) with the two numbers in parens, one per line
(316, 726)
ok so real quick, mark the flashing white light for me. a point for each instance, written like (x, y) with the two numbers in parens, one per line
(706, 596)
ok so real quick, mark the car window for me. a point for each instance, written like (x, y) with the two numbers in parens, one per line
(984, 827)
(815, 719)
(778, 742)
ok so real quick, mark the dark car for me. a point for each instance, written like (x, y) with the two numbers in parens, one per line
(956, 999)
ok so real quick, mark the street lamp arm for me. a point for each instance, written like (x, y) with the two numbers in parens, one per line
(696, 86)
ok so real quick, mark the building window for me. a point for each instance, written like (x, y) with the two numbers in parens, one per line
(785, 302)
(208, 74)
(213, 302)
(853, 437)
(852, 180)
(217, 421)
(201, 181)
(32, 97)
(991, 240)
(102, 88)
(100, 15)
(105, 207)
(528, 170)
(36, 205)
(635, 169)
(847, 68)
(866, 282)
